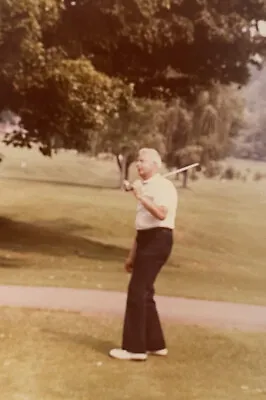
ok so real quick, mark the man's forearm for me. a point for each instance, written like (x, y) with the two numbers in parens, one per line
(158, 212)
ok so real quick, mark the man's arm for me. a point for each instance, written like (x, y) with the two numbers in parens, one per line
(131, 257)
(159, 212)
(132, 253)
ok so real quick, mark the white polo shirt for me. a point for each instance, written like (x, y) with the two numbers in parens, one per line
(163, 193)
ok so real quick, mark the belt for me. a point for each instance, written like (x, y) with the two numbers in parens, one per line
(155, 229)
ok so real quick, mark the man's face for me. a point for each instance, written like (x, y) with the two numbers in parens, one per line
(145, 166)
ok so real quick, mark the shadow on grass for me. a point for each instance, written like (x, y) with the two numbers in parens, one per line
(5, 262)
(25, 237)
(62, 183)
(97, 344)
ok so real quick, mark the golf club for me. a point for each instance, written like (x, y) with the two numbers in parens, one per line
(128, 186)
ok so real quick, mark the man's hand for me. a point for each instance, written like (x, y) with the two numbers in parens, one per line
(129, 266)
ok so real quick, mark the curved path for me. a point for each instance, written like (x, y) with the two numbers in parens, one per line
(185, 311)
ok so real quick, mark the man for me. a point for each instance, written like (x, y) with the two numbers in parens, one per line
(155, 221)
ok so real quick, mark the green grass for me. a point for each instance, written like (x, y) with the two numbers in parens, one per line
(54, 356)
(61, 226)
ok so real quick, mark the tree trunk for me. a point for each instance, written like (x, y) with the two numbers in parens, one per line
(124, 162)
(185, 179)
(118, 162)
(123, 165)
(128, 163)
(123, 170)
(94, 143)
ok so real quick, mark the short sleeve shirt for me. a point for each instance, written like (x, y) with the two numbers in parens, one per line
(163, 193)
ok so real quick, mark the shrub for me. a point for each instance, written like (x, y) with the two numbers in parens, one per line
(229, 173)
(194, 177)
(212, 170)
(258, 176)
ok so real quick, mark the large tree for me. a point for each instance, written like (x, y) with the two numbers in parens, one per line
(66, 65)
(172, 47)
(56, 96)
(251, 142)
(204, 133)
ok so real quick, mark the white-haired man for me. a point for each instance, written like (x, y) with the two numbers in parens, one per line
(155, 222)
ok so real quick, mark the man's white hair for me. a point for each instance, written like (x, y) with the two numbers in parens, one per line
(153, 155)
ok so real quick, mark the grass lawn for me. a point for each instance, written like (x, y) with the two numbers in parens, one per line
(62, 226)
(54, 356)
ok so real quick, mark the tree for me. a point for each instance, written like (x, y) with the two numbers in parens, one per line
(161, 49)
(56, 96)
(166, 47)
(138, 126)
(251, 141)
(71, 99)
(230, 105)
(188, 155)
(203, 134)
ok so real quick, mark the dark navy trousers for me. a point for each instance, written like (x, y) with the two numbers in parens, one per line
(142, 330)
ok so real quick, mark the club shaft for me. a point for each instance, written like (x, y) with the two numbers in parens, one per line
(176, 171)
(183, 169)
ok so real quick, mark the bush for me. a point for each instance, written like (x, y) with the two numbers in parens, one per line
(237, 175)
(258, 176)
(229, 173)
(212, 170)
(194, 177)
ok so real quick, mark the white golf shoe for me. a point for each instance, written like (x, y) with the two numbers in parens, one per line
(162, 352)
(121, 354)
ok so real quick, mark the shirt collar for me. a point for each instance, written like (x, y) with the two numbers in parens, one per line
(153, 177)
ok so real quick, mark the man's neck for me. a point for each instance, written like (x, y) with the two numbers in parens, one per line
(149, 177)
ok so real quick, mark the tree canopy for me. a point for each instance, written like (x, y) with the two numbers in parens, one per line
(172, 47)
(55, 95)
(67, 66)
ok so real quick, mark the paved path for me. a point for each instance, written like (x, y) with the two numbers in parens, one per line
(185, 311)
